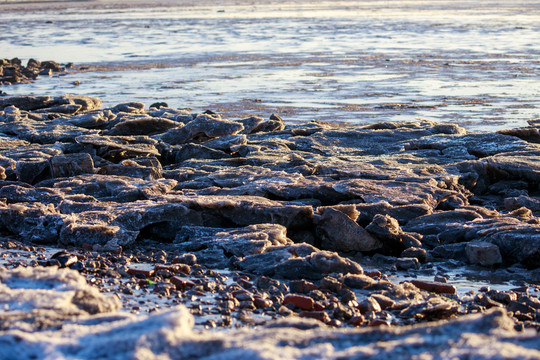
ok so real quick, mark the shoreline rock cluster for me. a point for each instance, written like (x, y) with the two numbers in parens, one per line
(14, 72)
(296, 211)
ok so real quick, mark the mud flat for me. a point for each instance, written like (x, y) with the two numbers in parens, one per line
(296, 230)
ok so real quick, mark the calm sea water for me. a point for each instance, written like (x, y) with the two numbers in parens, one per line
(347, 61)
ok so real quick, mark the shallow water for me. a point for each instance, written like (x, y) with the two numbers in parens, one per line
(349, 61)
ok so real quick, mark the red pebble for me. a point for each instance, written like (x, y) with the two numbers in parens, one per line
(181, 283)
(373, 274)
(177, 268)
(261, 303)
(300, 301)
(357, 320)
(319, 315)
(245, 284)
(379, 322)
(318, 307)
(146, 273)
(433, 286)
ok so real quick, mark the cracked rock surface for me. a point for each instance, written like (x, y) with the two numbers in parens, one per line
(299, 210)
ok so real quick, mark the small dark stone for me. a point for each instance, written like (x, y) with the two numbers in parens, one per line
(159, 105)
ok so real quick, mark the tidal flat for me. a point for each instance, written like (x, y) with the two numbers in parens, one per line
(242, 213)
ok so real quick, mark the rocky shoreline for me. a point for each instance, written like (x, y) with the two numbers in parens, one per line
(14, 72)
(252, 221)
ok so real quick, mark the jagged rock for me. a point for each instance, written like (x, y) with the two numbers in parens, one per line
(387, 230)
(196, 151)
(250, 124)
(142, 126)
(24, 193)
(438, 222)
(203, 126)
(393, 192)
(483, 253)
(24, 102)
(414, 252)
(120, 146)
(129, 107)
(71, 165)
(92, 120)
(402, 213)
(92, 234)
(450, 251)
(315, 266)
(480, 145)
(530, 134)
(358, 281)
(44, 132)
(338, 232)
(37, 299)
(132, 169)
(111, 188)
(265, 262)
(519, 243)
(242, 242)
(274, 123)
(523, 167)
(530, 203)
(226, 143)
(32, 221)
(245, 210)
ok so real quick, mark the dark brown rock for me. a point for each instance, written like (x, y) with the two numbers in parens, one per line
(338, 232)
(71, 165)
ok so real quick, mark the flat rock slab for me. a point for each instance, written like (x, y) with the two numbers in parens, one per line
(36, 299)
(74, 174)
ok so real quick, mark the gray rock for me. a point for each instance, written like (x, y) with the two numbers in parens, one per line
(337, 232)
(414, 252)
(402, 213)
(120, 146)
(73, 233)
(71, 165)
(450, 251)
(245, 210)
(51, 297)
(483, 253)
(530, 203)
(92, 120)
(32, 221)
(519, 243)
(315, 266)
(250, 124)
(242, 242)
(393, 192)
(196, 151)
(132, 169)
(203, 126)
(438, 222)
(142, 126)
(274, 123)
(129, 107)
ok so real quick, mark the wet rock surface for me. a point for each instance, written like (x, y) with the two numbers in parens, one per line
(252, 220)
(14, 72)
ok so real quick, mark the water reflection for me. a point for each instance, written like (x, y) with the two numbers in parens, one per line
(446, 61)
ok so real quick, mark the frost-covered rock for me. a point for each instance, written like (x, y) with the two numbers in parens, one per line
(35, 299)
